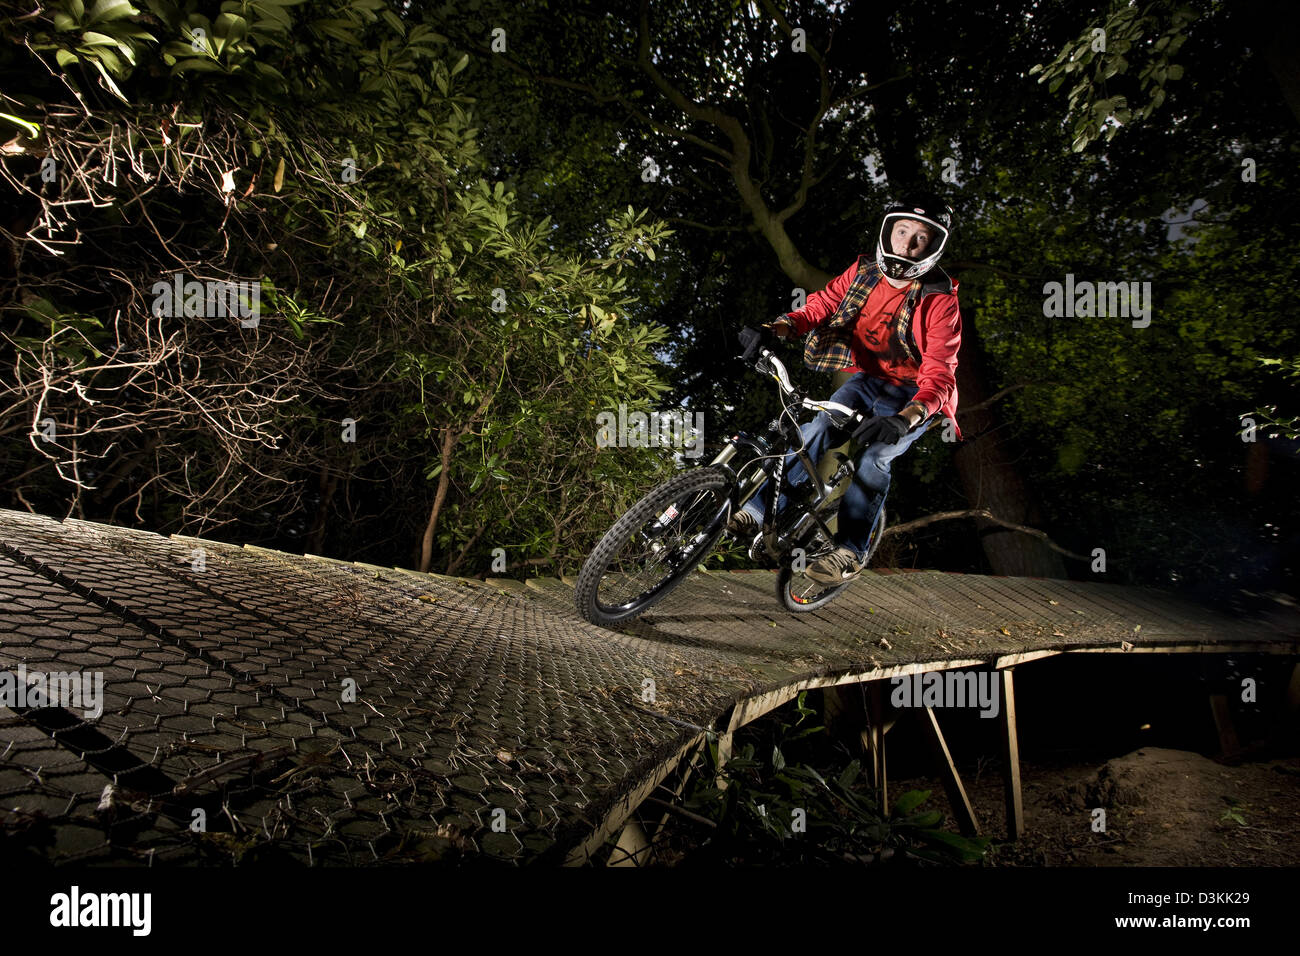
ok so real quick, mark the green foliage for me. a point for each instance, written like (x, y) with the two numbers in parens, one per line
(402, 288)
(1236, 812)
(1151, 34)
(777, 810)
(1287, 425)
(479, 170)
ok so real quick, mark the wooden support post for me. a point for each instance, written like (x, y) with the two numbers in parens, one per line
(725, 742)
(961, 807)
(1229, 743)
(874, 740)
(1011, 759)
(633, 847)
(685, 768)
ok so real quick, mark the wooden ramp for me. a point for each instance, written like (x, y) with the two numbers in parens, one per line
(264, 706)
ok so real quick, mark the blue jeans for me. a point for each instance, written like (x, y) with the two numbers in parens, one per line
(865, 496)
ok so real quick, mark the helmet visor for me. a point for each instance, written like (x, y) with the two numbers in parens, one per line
(912, 236)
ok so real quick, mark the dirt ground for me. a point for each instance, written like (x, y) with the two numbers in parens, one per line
(1162, 808)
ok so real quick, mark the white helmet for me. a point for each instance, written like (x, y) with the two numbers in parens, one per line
(926, 208)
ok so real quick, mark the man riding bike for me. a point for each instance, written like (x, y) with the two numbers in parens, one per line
(900, 337)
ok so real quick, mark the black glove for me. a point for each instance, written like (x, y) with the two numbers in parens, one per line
(888, 430)
(750, 341)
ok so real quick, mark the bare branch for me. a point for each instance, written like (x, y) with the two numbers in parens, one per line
(909, 526)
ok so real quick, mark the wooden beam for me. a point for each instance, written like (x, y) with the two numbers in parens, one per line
(1229, 743)
(633, 847)
(961, 807)
(624, 808)
(1227, 647)
(1011, 759)
(725, 742)
(685, 768)
(874, 738)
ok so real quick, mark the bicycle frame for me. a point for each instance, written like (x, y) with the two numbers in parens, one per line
(766, 466)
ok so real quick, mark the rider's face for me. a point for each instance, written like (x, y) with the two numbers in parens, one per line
(911, 238)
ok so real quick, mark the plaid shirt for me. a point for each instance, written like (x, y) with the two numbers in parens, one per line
(829, 347)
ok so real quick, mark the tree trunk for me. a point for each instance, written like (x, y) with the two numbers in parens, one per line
(328, 484)
(990, 478)
(449, 436)
(1278, 40)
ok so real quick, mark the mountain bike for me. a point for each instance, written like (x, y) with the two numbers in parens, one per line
(659, 540)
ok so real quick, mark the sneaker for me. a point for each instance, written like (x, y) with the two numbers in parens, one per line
(839, 567)
(742, 525)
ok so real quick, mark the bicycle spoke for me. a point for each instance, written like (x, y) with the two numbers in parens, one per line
(655, 551)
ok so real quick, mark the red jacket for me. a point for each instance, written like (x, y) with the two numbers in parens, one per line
(936, 331)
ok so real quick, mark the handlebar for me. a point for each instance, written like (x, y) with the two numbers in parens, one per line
(841, 416)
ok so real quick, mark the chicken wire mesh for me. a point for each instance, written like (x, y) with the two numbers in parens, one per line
(260, 706)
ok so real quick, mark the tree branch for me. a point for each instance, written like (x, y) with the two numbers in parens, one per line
(984, 513)
(970, 264)
(997, 395)
(793, 264)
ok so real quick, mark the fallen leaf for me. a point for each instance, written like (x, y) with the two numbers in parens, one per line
(1003, 630)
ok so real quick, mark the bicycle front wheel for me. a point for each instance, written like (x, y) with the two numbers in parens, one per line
(800, 593)
(651, 549)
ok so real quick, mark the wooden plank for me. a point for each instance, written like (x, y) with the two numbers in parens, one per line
(625, 807)
(1011, 759)
(751, 708)
(1226, 647)
(1011, 660)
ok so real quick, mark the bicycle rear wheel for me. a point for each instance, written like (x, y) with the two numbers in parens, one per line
(800, 593)
(651, 549)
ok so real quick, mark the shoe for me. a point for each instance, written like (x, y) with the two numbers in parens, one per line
(839, 567)
(742, 526)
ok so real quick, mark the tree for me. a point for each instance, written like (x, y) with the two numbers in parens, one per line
(420, 333)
